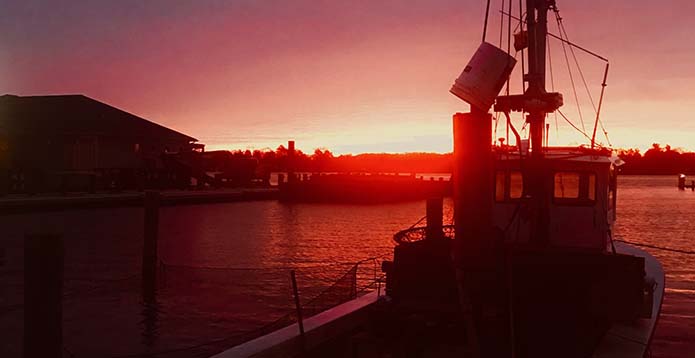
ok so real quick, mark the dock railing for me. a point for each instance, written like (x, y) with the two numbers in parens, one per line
(194, 312)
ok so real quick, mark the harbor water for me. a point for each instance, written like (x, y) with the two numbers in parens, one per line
(225, 267)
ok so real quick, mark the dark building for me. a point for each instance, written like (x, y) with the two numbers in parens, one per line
(46, 140)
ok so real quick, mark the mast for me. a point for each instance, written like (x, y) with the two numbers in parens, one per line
(537, 25)
(536, 102)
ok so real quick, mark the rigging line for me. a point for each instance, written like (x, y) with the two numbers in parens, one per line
(605, 133)
(576, 62)
(509, 49)
(523, 65)
(497, 117)
(563, 30)
(569, 70)
(552, 87)
(502, 24)
(657, 247)
(487, 13)
(564, 40)
(598, 111)
(523, 15)
(573, 125)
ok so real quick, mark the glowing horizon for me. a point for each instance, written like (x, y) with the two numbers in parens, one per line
(350, 77)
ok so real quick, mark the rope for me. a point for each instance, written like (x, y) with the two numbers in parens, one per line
(581, 74)
(572, 124)
(487, 13)
(552, 88)
(569, 71)
(521, 28)
(250, 335)
(509, 48)
(417, 222)
(279, 268)
(686, 252)
(576, 61)
(502, 23)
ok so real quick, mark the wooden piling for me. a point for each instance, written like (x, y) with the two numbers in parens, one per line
(149, 247)
(290, 162)
(43, 296)
(435, 218)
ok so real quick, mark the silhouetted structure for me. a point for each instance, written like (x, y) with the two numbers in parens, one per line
(230, 169)
(658, 160)
(64, 142)
(361, 188)
(529, 268)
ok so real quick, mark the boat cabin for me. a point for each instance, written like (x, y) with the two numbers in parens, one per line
(581, 189)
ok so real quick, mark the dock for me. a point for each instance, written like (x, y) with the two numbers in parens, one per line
(56, 202)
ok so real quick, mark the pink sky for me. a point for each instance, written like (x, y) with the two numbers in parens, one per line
(352, 76)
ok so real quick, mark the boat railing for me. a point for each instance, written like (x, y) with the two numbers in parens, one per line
(419, 233)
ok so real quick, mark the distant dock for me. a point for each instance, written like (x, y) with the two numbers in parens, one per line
(360, 188)
(682, 183)
(56, 202)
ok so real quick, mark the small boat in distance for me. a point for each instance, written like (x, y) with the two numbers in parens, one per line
(529, 268)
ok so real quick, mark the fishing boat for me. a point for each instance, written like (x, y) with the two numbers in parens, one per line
(529, 268)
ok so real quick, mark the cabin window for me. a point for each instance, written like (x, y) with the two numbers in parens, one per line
(574, 187)
(499, 186)
(509, 185)
(566, 185)
(516, 185)
(591, 194)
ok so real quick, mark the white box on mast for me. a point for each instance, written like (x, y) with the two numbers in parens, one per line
(484, 76)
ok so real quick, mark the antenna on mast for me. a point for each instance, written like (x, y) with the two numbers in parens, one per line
(535, 100)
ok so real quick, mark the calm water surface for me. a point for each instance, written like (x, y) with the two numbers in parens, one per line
(227, 267)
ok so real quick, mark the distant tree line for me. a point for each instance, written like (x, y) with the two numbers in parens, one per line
(323, 160)
(657, 160)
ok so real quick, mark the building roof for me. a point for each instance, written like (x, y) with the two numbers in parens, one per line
(77, 114)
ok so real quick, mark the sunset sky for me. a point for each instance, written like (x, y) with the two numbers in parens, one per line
(352, 76)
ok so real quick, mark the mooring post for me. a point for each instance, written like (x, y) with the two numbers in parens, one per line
(149, 247)
(291, 178)
(435, 218)
(300, 319)
(43, 296)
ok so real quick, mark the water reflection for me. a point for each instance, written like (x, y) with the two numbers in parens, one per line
(259, 238)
